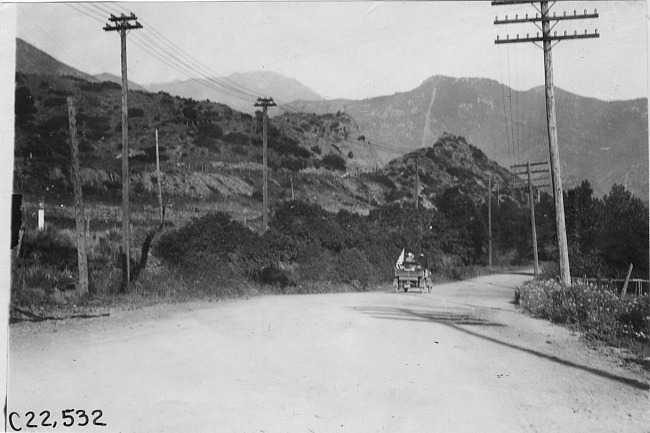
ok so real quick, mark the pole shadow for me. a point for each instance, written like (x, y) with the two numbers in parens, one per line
(456, 321)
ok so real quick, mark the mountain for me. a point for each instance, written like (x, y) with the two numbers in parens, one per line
(210, 152)
(604, 142)
(259, 83)
(115, 79)
(31, 60)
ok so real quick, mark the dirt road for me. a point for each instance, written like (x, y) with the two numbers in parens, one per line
(460, 359)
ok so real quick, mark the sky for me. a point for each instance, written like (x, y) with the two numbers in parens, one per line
(350, 49)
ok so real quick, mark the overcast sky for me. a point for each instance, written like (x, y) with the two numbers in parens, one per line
(350, 49)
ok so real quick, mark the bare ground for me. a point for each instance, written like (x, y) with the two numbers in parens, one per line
(461, 359)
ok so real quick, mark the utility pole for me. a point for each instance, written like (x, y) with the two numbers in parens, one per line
(159, 179)
(417, 185)
(490, 221)
(265, 103)
(532, 220)
(529, 173)
(554, 151)
(122, 24)
(82, 256)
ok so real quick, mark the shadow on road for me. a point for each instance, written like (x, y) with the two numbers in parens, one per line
(455, 320)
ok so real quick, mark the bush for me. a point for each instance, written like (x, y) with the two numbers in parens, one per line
(136, 112)
(334, 162)
(55, 102)
(24, 105)
(210, 130)
(236, 138)
(99, 87)
(594, 309)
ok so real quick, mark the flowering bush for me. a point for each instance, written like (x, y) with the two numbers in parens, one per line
(594, 309)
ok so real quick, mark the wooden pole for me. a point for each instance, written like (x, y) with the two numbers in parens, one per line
(265, 199)
(417, 185)
(490, 221)
(265, 103)
(82, 257)
(122, 24)
(126, 236)
(563, 249)
(292, 196)
(160, 200)
(627, 280)
(532, 221)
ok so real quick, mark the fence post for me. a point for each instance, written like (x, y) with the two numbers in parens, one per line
(627, 280)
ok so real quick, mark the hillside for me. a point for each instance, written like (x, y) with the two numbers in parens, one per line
(31, 60)
(604, 142)
(210, 152)
(115, 79)
(261, 83)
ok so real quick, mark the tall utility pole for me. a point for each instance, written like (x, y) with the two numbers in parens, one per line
(531, 199)
(554, 151)
(417, 185)
(265, 103)
(80, 218)
(122, 24)
(490, 220)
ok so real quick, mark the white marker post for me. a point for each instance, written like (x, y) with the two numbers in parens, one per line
(41, 216)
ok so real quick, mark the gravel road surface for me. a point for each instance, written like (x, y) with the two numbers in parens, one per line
(461, 359)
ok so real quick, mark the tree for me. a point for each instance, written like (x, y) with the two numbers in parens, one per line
(625, 234)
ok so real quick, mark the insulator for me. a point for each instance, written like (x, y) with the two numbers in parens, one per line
(595, 11)
(527, 37)
(497, 37)
(585, 11)
(564, 13)
(538, 34)
(517, 35)
(554, 33)
(575, 33)
(516, 16)
(585, 31)
(565, 33)
(507, 37)
(526, 16)
(506, 17)
(496, 18)
(574, 12)
(596, 32)
(553, 14)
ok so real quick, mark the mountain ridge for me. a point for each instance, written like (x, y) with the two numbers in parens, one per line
(605, 142)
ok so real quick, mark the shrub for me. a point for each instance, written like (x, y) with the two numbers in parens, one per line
(24, 105)
(55, 102)
(210, 130)
(136, 112)
(334, 162)
(594, 309)
(99, 87)
(236, 138)
(189, 112)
